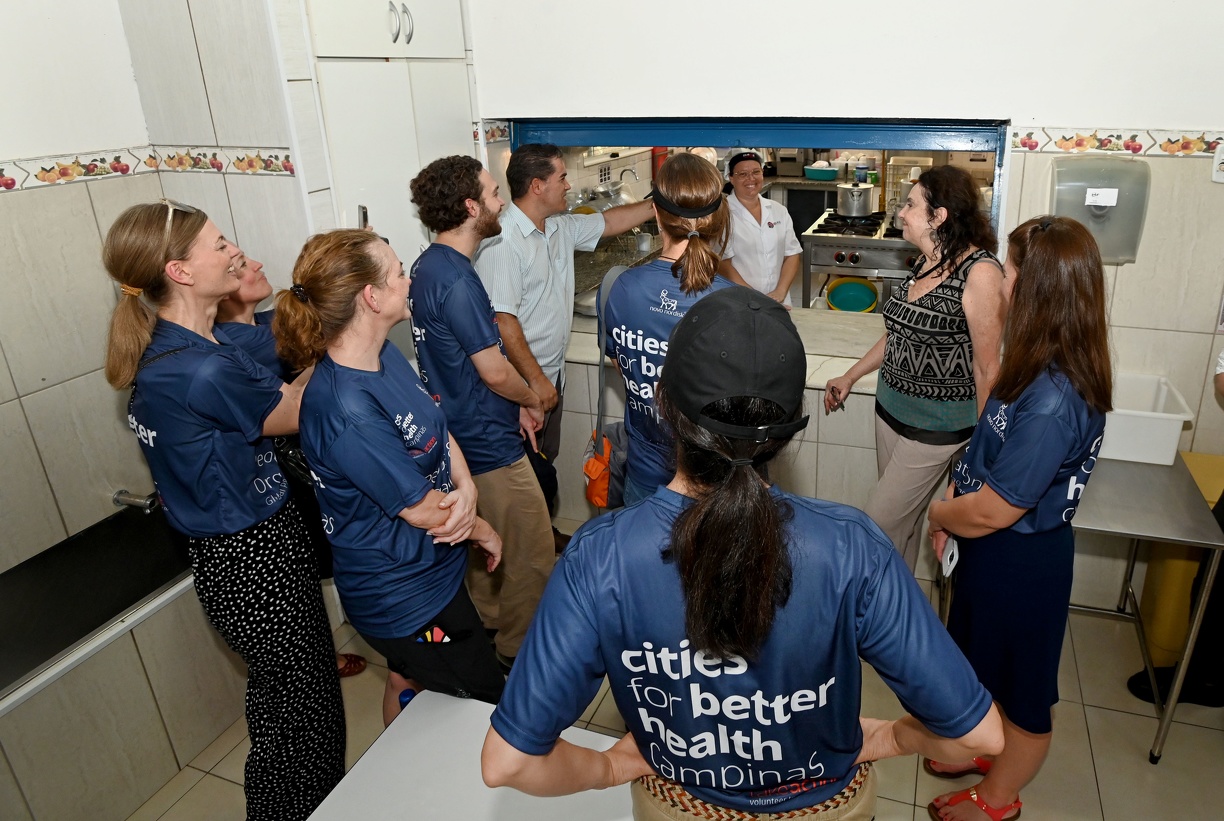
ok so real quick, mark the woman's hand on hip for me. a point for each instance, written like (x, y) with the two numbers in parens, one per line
(627, 762)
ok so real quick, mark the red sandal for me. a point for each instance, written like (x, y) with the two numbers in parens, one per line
(981, 766)
(995, 813)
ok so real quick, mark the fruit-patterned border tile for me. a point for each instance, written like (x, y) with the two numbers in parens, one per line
(259, 161)
(208, 159)
(1028, 138)
(40, 172)
(1182, 144)
(1084, 140)
(496, 131)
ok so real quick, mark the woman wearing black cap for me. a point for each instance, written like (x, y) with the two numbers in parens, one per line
(645, 303)
(730, 616)
(764, 252)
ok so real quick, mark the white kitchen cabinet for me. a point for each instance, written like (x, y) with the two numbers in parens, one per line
(386, 28)
(372, 141)
(443, 109)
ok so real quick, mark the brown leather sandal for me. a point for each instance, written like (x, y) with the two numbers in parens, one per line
(353, 664)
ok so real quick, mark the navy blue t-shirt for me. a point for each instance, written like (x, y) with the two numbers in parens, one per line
(452, 319)
(257, 340)
(1037, 452)
(645, 304)
(377, 443)
(773, 735)
(199, 415)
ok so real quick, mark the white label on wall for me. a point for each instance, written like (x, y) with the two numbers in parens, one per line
(1101, 196)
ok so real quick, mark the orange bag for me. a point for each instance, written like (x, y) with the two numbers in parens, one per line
(597, 470)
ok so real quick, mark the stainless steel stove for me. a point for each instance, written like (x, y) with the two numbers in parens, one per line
(867, 247)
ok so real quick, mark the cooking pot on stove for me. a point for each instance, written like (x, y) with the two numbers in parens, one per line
(855, 199)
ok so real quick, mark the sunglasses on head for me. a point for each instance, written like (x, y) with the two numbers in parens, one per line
(171, 207)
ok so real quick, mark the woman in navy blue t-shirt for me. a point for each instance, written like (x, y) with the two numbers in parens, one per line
(397, 499)
(204, 413)
(1012, 498)
(646, 302)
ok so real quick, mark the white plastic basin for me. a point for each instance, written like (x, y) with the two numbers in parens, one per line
(1146, 422)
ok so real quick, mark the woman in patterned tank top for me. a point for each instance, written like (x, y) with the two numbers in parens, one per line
(939, 354)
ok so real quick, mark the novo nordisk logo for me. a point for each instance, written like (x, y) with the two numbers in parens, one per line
(665, 303)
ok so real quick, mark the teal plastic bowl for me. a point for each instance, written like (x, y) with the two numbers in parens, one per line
(851, 295)
(826, 174)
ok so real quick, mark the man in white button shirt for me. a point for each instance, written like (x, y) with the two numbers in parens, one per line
(529, 272)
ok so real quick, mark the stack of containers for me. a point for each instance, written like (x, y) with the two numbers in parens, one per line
(899, 170)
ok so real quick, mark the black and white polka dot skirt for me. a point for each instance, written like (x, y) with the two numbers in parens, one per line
(260, 590)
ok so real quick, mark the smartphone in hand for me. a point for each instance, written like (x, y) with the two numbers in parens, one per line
(363, 217)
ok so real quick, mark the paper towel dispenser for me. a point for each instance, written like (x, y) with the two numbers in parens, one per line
(1109, 196)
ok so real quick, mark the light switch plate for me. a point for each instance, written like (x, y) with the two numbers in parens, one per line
(1217, 164)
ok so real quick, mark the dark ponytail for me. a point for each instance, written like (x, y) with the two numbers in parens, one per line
(730, 545)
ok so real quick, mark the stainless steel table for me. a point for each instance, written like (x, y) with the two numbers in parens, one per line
(1151, 503)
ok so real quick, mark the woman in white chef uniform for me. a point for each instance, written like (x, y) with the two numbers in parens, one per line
(763, 252)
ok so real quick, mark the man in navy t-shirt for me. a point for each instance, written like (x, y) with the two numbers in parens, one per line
(488, 406)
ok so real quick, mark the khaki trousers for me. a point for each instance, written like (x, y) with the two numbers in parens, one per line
(909, 473)
(510, 500)
(860, 807)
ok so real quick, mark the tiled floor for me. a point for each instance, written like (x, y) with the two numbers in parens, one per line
(1098, 766)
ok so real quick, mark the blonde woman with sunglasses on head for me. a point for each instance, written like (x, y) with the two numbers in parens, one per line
(203, 412)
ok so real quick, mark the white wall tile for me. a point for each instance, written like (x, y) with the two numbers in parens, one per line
(206, 191)
(322, 211)
(1100, 564)
(57, 296)
(112, 197)
(1182, 357)
(245, 90)
(845, 474)
(813, 406)
(269, 222)
(310, 164)
(294, 37)
(849, 427)
(577, 391)
(1209, 426)
(1015, 184)
(29, 518)
(1176, 282)
(14, 804)
(167, 67)
(1038, 177)
(8, 391)
(80, 427)
(91, 744)
(794, 469)
(199, 692)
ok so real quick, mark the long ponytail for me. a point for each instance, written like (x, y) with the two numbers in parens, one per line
(730, 546)
(135, 254)
(691, 182)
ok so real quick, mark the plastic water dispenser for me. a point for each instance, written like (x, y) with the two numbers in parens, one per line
(1109, 196)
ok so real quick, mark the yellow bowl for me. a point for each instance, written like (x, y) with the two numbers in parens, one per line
(851, 294)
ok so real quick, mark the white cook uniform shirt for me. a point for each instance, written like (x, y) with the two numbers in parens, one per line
(759, 249)
(530, 274)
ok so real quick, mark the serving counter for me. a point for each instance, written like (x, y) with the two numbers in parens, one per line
(427, 765)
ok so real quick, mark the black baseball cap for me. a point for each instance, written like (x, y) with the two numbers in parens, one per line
(736, 342)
